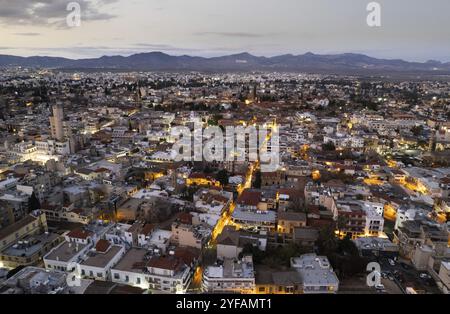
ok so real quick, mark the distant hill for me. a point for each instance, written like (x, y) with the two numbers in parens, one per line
(157, 61)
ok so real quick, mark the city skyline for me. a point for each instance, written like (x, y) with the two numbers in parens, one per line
(190, 150)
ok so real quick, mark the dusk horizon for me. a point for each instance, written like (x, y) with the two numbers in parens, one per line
(206, 56)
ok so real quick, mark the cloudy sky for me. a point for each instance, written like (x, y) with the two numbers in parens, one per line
(410, 29)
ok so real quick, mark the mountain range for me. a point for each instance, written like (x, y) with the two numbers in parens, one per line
(349, 63)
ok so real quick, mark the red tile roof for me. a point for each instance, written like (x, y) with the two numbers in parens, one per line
(249, 198)
(102, 246)
(185, 218)
(169, 263)
(147, 229)
(79, 234)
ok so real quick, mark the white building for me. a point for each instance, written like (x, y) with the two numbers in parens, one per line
(163, 274)
(65, 256)
(233, 276)
(100, 260)
(316, 274)
(374, 220)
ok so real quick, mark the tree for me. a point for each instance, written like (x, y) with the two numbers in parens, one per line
(327, 241)
(329, 146)
(222, 176)
(341, 223)
(33, 203)
(417, 130)
(258, 181)
(250, 249)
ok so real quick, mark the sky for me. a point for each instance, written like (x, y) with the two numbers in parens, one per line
(413, 30)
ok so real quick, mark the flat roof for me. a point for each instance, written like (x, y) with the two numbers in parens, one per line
(65, 251)
(34, 245)
(314, 270)
(16, 226)
(261, 216)
(97, 259)
(132, 261)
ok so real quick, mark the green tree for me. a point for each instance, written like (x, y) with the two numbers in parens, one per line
(341, 223)
(327, 241)
(222, 176)
(258, 181)
(329, 146)
(417, 130)
(33, 203)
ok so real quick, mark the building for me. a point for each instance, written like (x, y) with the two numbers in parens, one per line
(76, 215)
(233, 276)
(141, 268)
(65, 256)
(29, 250)
(124, 234)
(376, 247)
(231, 242)
(34, 280)
(100, 260)
(272, 281)
(444, 276)
(185, 233)
(354, 219)
(252, 213)
(305, 236)
(316, 274)
(414, 233)
(56, 122)
(264, 220)
(34, 223)
(13, 206)
(288, 221)
(273, 178)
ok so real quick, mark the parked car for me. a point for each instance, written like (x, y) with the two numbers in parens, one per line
(379, 287)
(425, 276)
(391, 262)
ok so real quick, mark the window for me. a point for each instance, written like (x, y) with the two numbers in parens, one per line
(262, 289)
(127, 278)
(99, 275)
(138, 280)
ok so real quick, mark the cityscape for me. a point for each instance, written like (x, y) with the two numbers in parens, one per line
(161, 173)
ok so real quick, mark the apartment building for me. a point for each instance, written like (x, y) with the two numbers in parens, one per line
(316, 274)
(164, 274)
(233, 276)
(34, 223)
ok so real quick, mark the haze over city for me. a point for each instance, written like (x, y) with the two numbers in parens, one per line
(414, 30)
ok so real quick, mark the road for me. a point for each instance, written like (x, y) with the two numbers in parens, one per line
(407, 277)
(225, 219)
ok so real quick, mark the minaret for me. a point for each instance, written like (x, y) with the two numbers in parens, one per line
(56, 123)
